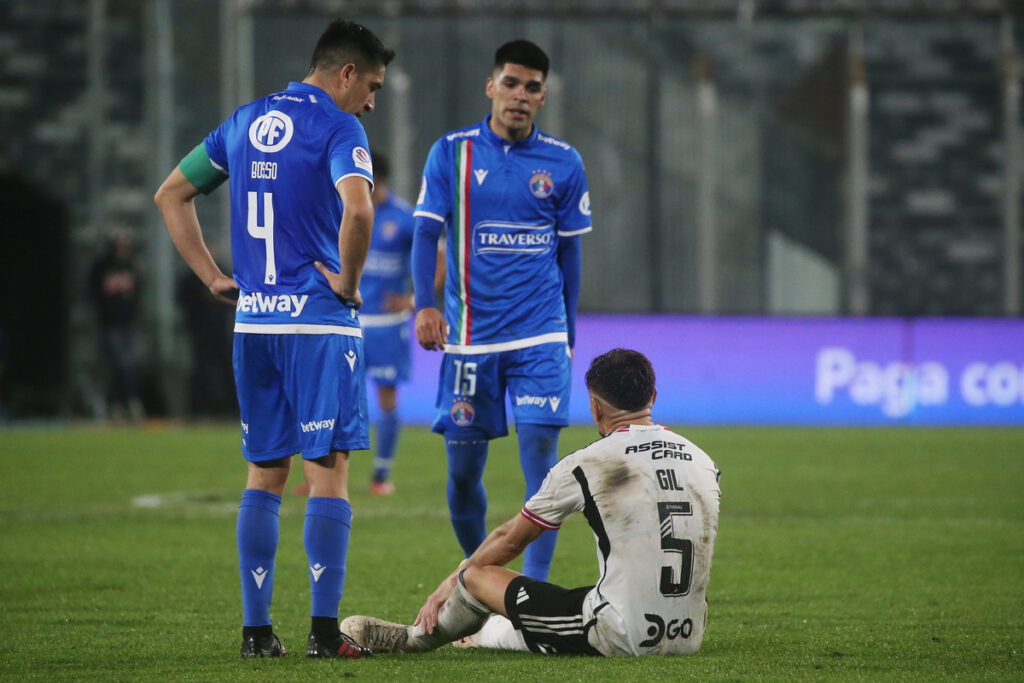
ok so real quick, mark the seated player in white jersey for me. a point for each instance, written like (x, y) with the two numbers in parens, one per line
(651, 498)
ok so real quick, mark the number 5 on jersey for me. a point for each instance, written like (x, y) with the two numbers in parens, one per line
(264, 232)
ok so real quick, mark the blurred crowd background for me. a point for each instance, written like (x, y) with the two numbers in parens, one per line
(785, 157)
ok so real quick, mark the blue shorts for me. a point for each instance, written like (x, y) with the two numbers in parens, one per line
(471, 393)
(387, 353)
(300, 393)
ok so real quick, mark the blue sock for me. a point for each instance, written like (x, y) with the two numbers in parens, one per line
(538, 453)
(328, 521)
(257, 545)
(388, 426)
(467, 499)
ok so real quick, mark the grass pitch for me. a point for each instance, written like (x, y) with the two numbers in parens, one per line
(842, 554)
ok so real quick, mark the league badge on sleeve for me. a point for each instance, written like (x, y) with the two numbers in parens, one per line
(362, 160)
(541, 184)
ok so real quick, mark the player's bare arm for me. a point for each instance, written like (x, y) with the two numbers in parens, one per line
(501, 546)
(353, 239)
(176, 200)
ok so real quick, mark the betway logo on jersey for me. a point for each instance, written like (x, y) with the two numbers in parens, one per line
(540, 401)
(272, 303)
(519, 238)
(463, 134)
(316, 426)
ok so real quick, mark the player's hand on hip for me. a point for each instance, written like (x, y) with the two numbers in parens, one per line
(430, 329)
(428, 613)
(224, 289)
(351, 298)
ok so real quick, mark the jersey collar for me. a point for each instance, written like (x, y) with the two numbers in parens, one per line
(495, 139)
(320, 95)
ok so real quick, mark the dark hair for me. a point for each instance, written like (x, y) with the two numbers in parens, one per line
(623, 377)
(345, 42)
(381, 165)
(524, 53)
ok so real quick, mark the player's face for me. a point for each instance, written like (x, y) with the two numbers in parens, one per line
(516, 93)
(359, 88)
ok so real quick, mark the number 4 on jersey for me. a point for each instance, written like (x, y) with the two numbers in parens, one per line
(264, 232)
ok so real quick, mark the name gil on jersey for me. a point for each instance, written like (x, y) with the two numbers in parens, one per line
(660, 450)
(271, 303)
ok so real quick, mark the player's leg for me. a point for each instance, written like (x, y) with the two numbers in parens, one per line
(549, 618)
(388, 427)
(387, 362)
(470, 411)
(461, 615)
(539, 380)
(325, 380)
(267, 442)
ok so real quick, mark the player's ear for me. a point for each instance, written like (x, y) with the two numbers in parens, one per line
(489, 88)
(347, 74)
(596, 411)
(654, 396)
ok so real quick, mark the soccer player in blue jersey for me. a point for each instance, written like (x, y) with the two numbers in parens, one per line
(515, 203)
(387, 308)
(301, 217)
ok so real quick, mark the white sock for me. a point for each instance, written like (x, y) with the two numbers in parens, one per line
(499, 633)
(460, 615)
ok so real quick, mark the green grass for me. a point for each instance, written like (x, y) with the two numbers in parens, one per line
(842, 554)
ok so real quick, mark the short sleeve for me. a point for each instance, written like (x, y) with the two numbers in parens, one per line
(435, 187)
(217, 149)
(574, 210)
(349, 151)
(558, 497)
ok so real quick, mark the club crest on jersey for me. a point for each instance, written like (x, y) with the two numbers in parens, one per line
(541, 184)
(271, 132)
(362, 159)
(388, 230)
(463, 413)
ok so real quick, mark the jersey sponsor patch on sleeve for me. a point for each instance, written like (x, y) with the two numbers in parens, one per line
(361, 158)
(585, 204)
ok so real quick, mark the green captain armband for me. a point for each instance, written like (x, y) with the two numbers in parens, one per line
(200, 171)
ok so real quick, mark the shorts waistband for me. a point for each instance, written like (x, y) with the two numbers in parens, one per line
(296, 328)
(477, 349)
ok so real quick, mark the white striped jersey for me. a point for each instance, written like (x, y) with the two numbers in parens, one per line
(651, 498)
(505, 205)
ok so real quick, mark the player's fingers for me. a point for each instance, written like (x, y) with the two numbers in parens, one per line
(324, 270)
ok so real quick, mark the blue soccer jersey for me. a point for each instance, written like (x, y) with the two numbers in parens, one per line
(387, 269)
(505, 205)
(285, 153)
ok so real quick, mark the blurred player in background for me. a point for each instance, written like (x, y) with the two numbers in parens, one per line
(651, 498)
(301, 218)
(387, 307)
(515, 203)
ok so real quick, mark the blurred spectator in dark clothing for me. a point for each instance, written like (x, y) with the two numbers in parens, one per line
(114, 286)
(209, 325)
